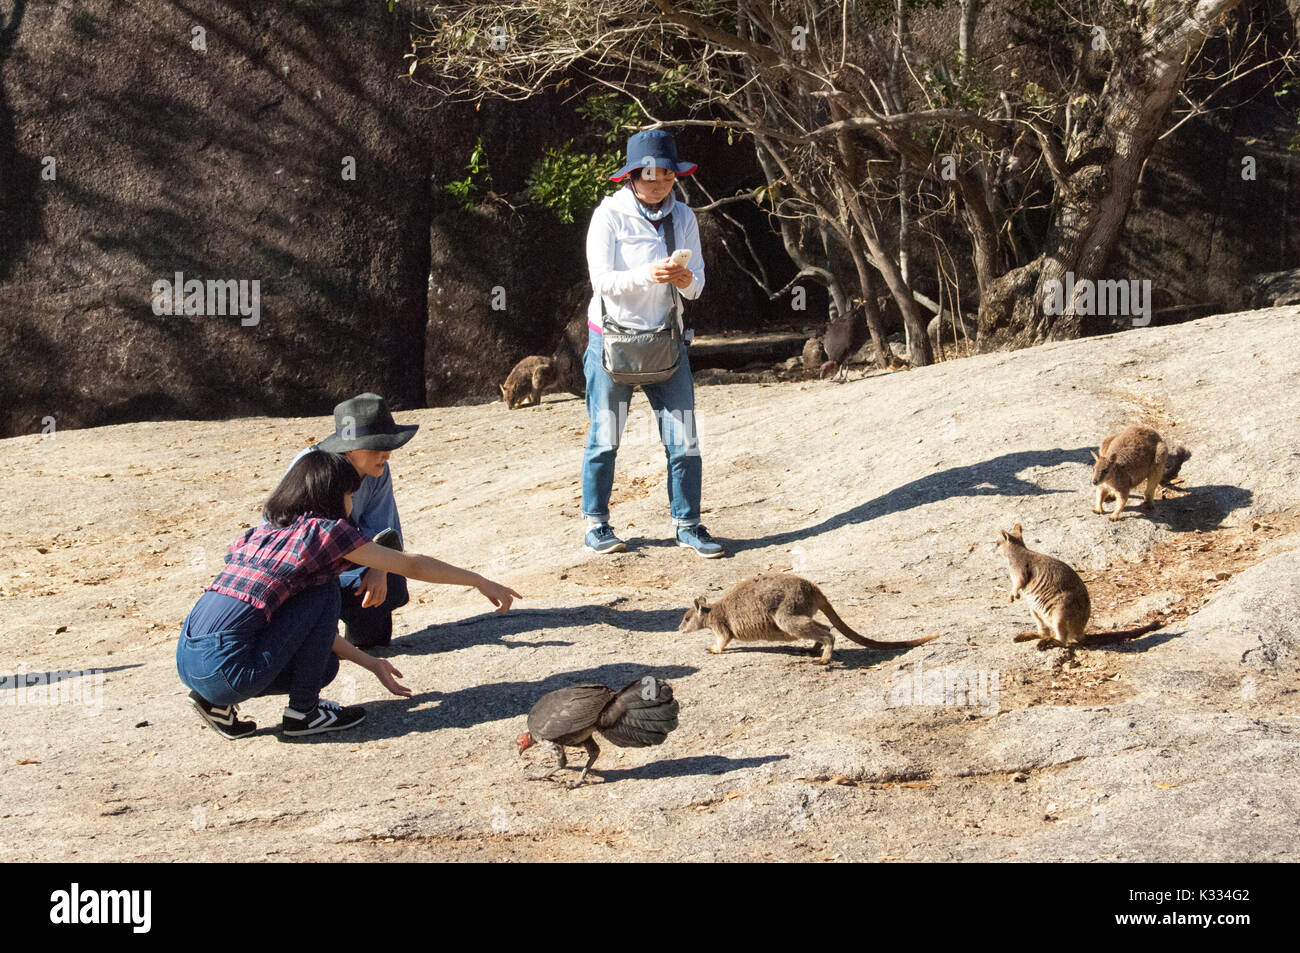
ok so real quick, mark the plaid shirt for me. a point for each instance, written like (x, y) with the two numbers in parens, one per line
(269, 564)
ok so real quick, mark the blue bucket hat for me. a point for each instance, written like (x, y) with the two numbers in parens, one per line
(654, 147)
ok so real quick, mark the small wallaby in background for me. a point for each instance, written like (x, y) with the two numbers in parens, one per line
(776, 607)
(531, 377)
(1131, 457)
(1056, 596)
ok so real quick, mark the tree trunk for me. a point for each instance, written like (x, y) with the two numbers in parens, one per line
(1100, 171)
(919, 352)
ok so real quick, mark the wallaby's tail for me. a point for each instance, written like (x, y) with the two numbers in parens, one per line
(862, 639)
(1123, 635)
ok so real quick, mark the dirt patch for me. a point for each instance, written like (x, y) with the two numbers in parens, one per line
(1189, 569)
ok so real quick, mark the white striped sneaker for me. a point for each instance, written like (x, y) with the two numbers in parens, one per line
(326, 716)
(224, 719)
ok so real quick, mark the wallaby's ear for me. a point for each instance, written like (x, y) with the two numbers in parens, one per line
(503, 391)
(1095, 458)
(1005, 534)
(1017, 531)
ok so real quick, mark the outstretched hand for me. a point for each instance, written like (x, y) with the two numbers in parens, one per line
(500, 596)
(388, 676)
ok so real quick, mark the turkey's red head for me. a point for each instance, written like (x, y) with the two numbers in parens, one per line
(524, 742)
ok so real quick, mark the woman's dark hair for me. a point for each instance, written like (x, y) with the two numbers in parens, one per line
(315, 484)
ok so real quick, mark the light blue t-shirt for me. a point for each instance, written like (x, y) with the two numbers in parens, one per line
(373, 510)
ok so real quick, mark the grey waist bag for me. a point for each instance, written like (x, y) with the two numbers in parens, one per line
(632, 356)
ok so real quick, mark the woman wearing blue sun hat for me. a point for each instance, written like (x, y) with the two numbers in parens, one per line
(636, 285)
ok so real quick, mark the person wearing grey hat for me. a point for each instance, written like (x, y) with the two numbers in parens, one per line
(365, 433)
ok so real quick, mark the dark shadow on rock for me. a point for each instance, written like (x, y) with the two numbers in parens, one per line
(677, 767)
(846, 657)
(1141, 644)
(495, 701)
(996, 477)
(1200, 508)
(490, 627)
(11, 679)
(20, 212)
(669, 542)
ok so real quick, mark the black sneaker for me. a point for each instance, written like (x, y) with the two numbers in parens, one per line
(224, 719)
(326, 716)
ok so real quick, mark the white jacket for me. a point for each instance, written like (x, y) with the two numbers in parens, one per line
(621, 246)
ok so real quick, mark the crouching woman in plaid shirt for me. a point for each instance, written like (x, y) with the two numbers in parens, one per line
(268, 624)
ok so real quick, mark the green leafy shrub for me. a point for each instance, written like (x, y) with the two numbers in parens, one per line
(570, 183)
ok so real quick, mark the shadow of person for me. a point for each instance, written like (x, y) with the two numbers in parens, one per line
(999, 476)
(13, 679)
(491, 628)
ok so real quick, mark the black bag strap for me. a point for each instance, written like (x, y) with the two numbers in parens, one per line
(670, 239)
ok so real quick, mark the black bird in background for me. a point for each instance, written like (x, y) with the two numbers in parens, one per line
(845, 335)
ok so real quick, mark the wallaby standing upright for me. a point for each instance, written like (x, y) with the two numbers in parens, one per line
(777, 607)
(1129, 458)
(1057, 598)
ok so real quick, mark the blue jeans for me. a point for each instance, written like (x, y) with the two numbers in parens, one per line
(229, 652)
(673, 403)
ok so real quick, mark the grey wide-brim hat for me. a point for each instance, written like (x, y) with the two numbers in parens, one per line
(364, 423)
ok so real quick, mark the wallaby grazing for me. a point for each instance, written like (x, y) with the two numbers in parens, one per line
(1131, 457)
(531, 377)
(1056, 596)
(1174, 460)
(777, 607)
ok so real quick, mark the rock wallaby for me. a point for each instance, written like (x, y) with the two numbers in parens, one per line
(776, 607)
(1178, 455)
(1134, 456)
(531, 377)
(1056, 596)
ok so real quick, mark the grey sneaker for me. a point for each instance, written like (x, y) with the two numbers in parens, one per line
(601, 539)
(697, 538)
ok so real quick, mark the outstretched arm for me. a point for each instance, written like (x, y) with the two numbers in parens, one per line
(428, 569)
(382, 669)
